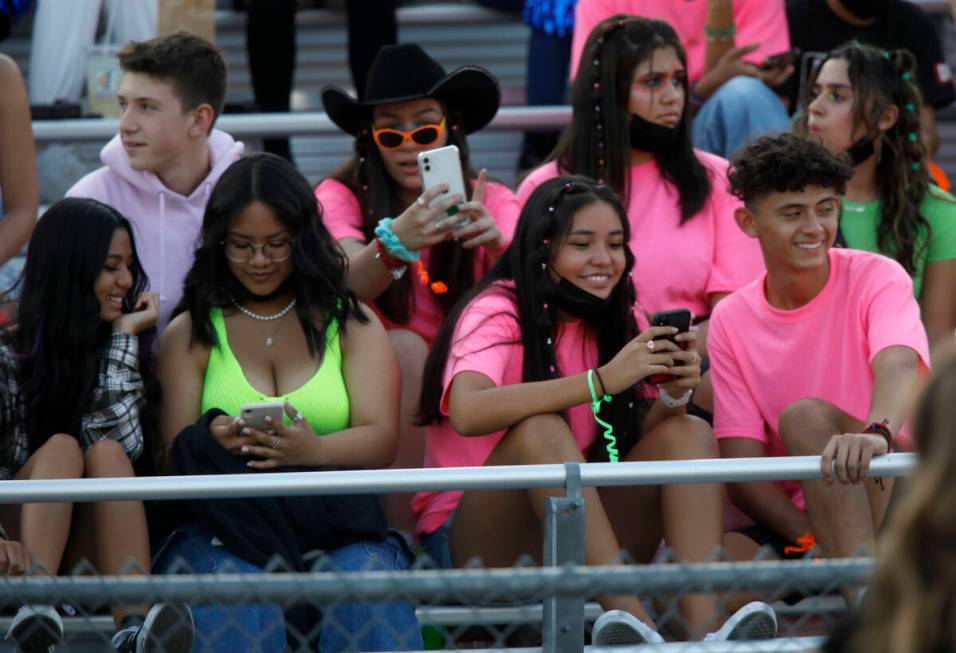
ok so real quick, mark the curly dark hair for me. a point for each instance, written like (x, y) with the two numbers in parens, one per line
(786, 162)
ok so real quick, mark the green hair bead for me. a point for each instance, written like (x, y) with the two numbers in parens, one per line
(909, 106)
(906, 77)
(912, 136)
(916, 166)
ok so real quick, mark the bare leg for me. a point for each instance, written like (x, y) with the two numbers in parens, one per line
(688, 516)
(411, 351)
(45, 527)
(844, 518)
(501, 526)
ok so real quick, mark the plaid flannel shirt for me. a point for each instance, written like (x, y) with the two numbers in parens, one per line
(114, 408)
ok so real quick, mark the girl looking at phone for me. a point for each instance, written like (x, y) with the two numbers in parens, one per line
(75, 372)
(511, 381)
(865, 101)
(267, 316)
(630, 129)
(410, 256)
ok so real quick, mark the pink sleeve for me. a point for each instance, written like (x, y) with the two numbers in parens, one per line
(736, 414)
(763, 22)
(893, 315)
(736, 258)
(341, 212)
(587, 14)
(534, 179)
(487, 341)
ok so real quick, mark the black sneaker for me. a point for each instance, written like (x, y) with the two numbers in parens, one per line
(167, 629)
(36, 629)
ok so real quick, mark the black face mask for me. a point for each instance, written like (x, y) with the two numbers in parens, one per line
(650, 137)
(863, 9)
(860, 151)
(579, 303)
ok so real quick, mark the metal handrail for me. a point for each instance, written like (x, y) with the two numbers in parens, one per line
(299, 123)
(450, 478)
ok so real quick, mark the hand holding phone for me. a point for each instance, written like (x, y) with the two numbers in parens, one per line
(254, 415)
(781, 60)
(680, 319)
(443, 166)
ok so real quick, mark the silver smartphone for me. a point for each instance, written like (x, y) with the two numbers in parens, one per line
(442, 166)
(254, 415)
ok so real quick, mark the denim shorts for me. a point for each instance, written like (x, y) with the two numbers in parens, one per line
(436, 544)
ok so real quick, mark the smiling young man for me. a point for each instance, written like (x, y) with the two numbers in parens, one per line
(821, 355)
(159, 170)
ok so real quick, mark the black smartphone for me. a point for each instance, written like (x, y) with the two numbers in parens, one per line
(781, 60)
(678, 318)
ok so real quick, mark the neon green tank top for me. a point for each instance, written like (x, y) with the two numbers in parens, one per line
(323, 400)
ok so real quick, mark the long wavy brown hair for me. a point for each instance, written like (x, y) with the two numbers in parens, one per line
(911, 604)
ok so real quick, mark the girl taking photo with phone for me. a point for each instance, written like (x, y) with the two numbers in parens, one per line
(75, 375)
(630, 129)
(865, 101)
(267, 316)
(412, 255)
(542, 362)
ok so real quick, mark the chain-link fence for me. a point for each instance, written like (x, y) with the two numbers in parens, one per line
(381, 604)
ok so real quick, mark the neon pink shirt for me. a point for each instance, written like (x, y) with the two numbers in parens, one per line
(757, 21)
(763, 359)
(343, 218)
(487, 340)
(679, 266)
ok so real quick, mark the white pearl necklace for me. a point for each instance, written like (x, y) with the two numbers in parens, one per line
(264, 318)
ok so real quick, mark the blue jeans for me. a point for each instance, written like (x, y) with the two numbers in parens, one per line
(742, 109)
(232, 628)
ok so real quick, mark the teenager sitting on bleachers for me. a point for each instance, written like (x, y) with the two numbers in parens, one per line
(411, 259)
(74, 384)
(18, 172)
(550, 328)
(267, 316)
(161, 167)
(821, 355)
(631, 130)
(728, 43)
(865, 101)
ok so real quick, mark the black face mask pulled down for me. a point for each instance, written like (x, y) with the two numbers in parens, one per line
(860, 151)
(579, 303)
(647, 136)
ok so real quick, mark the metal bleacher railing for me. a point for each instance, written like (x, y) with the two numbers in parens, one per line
(553, 595)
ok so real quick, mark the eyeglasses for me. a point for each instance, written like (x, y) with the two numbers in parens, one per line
(244, 252)
(392, 139)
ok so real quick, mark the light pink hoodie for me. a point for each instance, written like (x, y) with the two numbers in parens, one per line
(165, 224)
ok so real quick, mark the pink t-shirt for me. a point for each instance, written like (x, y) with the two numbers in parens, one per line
(679, 266)
(757, 21)
(487, 340)
(763, 359)
(343, 218)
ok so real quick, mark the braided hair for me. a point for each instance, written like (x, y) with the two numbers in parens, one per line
(545, 221)
(881, 79)
(597, 143)
(378, 196)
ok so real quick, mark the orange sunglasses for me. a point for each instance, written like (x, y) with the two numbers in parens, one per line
(392, 139)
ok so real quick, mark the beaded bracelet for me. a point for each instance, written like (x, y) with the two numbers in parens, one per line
(392, 243)
(720, 34)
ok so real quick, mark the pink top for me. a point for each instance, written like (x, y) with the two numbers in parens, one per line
(343, 218)
(763, 359)
(757, 21)
(487, 340)
(679, 266)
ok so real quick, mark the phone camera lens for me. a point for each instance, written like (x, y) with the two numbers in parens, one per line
(426, 159)
(427, 168)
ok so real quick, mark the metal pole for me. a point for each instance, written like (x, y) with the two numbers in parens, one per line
(563, 627)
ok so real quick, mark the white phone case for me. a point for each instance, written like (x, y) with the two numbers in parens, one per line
(254, 415)
(441, 166)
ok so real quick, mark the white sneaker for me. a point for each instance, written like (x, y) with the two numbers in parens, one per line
(620, 628)
(36, 629)
(756, 620)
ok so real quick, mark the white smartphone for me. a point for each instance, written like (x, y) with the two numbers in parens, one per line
(254, 415)
(442, 166)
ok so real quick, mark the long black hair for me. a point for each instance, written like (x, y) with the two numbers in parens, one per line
(318, 278)
(58, 334)
(378, 196)
(880, 79)
(597, 144)
(545, 221)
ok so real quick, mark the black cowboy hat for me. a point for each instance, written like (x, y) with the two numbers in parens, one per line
(405, 72)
